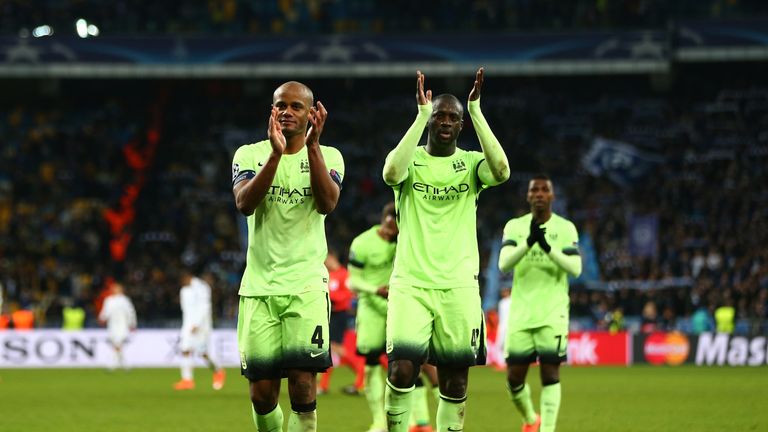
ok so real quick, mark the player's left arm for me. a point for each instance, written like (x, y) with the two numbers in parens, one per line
(495, 169)
(325, 188)
(567, 255)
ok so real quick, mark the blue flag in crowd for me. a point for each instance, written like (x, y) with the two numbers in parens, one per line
(621, 162)
(644, 235)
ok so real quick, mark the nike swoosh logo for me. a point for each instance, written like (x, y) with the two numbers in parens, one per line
(313, 355)
(418, 164)
(450, 429)
(261, 163)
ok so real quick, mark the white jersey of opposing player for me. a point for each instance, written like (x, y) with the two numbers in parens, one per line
(120, 315)
(196, 311)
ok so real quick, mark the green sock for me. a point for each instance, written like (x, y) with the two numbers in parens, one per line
(550, 406)
(420, 411)
(522, 400)
(302, 422)
(397, 405)
(436, 393)
(270, 422)
(450, 413)
(374, 393)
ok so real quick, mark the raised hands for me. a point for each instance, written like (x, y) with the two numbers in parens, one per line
(317, 118)
(275, 132)
(421, 97)
(474, 94)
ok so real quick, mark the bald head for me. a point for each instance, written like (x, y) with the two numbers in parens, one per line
(295, 88)
(449, 100)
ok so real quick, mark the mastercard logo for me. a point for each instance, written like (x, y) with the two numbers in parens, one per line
(666, 348)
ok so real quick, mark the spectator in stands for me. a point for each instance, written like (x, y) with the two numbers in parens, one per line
(650, 322)
(73, 315)
(725, 316)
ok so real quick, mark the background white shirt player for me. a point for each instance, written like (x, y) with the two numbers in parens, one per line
(196, 327)
(120, 317)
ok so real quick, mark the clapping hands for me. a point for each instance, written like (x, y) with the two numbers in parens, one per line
(537, 234)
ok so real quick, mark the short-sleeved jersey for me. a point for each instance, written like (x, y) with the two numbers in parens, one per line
(119, 313)
(539, 285)
(286, 234)
(196, 308)
(437, 215)
(374, 256)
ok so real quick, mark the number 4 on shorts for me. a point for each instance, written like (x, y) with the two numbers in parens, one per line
(317, 337)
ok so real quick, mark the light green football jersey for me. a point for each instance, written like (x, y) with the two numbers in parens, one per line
(539, 286)
(286, 234)
(437, 215)
(371, 258)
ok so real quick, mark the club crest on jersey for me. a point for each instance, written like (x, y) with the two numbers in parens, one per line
(459, 166)
(235, 170)
(304, 166)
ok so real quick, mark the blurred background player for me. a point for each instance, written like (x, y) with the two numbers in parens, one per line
(543, 249)
(341, 306)
(371, 257)
(434, 297)
(370, 264)
(119, 315)
(196, 328)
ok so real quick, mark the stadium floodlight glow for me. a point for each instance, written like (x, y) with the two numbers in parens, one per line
(81, 26)
(93, 30)
(43, 30)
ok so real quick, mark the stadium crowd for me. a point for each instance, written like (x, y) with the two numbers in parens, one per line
(138, 187)
(238, 17)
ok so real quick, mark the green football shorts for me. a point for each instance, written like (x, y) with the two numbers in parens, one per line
(277, 333)
(548, 344)
(371, 325)
(445, 327)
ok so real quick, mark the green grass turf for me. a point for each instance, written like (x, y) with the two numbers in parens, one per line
(594, 399)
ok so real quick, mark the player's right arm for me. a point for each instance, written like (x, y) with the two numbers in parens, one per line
(398, 160)
(105, 311)
(251, 187)
(513, 248)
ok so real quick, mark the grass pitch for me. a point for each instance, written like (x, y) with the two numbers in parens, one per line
(594, 399)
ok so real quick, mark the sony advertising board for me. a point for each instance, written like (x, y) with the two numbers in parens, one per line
(91, 348)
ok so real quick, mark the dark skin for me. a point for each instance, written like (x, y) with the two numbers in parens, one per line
(292, 113)
(443, 128)
(293, 123)
(387, 231)
(540, 197)
(446, 122)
